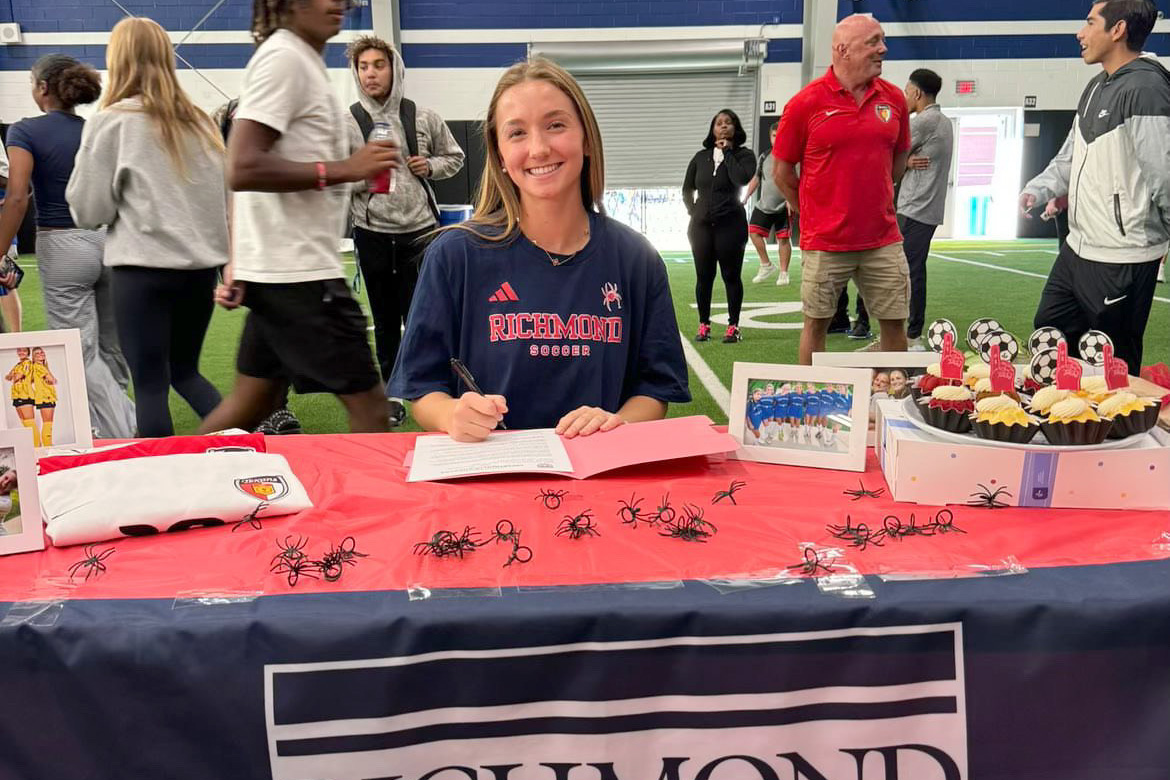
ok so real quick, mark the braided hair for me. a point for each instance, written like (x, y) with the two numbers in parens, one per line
(268, 16)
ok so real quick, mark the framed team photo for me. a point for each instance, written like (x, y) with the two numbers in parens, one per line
(21, 527)
(800, 415)
(42, 375)
(892, 373)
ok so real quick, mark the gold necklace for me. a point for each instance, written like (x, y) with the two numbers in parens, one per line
(559, 261)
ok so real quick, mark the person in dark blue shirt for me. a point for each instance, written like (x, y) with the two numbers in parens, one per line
(563, 316)
(75, 284)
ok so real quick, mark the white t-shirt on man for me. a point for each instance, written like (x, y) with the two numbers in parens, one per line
(281, 237)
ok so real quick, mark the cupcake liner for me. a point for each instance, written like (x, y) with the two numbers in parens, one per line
(1014, 434)
(1077, 433)
(948, 420)
(1135, 422)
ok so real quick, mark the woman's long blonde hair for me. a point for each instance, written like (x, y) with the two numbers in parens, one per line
(498, 204)
(141, 63)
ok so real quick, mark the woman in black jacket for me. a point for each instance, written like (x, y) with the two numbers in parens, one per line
(719, 231)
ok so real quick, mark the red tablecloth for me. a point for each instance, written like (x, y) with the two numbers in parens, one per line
(358, 485)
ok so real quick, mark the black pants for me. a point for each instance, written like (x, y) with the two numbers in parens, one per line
(842, 315)
(719, 244)
(389, 263)
(1083, 295)
(916, 238)
(162, 317)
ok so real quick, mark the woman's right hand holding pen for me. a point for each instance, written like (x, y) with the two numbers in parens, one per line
(474, 416)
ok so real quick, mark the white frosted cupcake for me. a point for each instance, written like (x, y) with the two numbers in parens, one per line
(1130, 414)
(1045, 397)
(949, 407)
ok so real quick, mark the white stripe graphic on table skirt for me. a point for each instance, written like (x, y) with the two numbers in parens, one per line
(385, 716)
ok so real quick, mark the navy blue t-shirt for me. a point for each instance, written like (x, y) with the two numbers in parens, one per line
(52, 139)
(593, 331)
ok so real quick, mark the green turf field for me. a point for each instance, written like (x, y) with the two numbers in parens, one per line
(966, 281)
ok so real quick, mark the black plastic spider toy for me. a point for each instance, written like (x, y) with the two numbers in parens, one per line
(289, 550)
(691, 527)
(551, 498)
(295, 568)
(946, 526)
(445, 543)
(93, 562)
(335, 559)
(985, 498)
(631, 512)
(664, 513)
(859, 536)
(252, 518)
(861, 492)
(894, 528)
(577, 526)
(506, 531)
(729, 493)
(813, 564)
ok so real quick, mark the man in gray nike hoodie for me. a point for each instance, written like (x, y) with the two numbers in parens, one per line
(387, 227)
(1115, 169)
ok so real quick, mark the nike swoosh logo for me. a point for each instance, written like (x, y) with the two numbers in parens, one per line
(1111, 301)
(834, 111)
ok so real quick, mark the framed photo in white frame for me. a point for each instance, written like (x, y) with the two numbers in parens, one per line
(891, 373)
(42, 378)
(21, 526)
(800, 415)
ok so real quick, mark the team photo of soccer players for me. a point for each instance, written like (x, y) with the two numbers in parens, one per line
(812, 416)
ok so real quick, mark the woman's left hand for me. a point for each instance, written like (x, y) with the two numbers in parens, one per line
(585, 420)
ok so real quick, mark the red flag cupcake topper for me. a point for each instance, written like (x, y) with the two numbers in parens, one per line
(1068, 371)
(1116, 370)
(951, 361)
(1003, 373)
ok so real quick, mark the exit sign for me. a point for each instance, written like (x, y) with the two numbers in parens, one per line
(769, 106)
(1029, 101)
(965, 87)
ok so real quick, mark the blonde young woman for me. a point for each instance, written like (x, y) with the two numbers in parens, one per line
(44, 393)
(562, 315)
(151, 166)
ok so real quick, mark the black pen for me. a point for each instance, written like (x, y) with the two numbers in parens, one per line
(468, 380)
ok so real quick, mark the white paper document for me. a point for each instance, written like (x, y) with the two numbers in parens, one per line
(534, 451)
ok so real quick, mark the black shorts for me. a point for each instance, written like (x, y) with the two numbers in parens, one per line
(312, 333)
(22, 402)
(763, 223)
(47, 405)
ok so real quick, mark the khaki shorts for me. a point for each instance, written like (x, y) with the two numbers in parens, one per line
(881, 274)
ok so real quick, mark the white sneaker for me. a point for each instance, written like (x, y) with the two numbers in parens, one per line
(765, 272)
(782, 279)
(915, 345)
(1162, 273)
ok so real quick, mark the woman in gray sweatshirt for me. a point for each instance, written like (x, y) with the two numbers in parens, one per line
(151, 167)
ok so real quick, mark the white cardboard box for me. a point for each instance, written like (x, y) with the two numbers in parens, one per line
(925, 469)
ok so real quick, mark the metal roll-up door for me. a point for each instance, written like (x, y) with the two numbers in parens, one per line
(652, 124)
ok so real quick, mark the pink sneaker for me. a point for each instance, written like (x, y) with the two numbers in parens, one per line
(704, 332)
(732, 335)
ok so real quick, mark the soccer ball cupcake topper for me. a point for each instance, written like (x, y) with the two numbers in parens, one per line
(980, 329)
(1003, 373)
(934, 334)
(952, 360)
(1043, 339)
(1116, 370)
(1009, 348)
(1092, 347)
(1068, 371)
(1043, 366)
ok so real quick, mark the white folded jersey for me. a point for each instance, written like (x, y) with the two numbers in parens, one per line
(149, 495)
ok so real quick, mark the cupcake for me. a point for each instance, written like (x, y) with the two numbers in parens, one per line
(1130, 414)
(1094, 388)
(983, 390)
(931, 379)
(976, 372)
(1045, 397)
(1073, 421)
(949, 408)
(1001, 418)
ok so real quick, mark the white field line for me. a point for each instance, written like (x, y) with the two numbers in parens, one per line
(706, 376)
(1009, 270)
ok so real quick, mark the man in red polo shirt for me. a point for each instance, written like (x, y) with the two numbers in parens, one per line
(849, 132)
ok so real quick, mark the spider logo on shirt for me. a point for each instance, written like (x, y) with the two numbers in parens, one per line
(610, 296)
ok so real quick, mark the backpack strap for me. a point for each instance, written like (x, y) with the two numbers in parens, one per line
(364, 120)
(408, 113)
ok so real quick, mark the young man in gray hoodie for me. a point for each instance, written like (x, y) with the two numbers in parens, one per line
(389, 228)
(1115, 169)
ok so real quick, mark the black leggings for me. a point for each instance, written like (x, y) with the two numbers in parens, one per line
(719, 244)
(162, 317)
